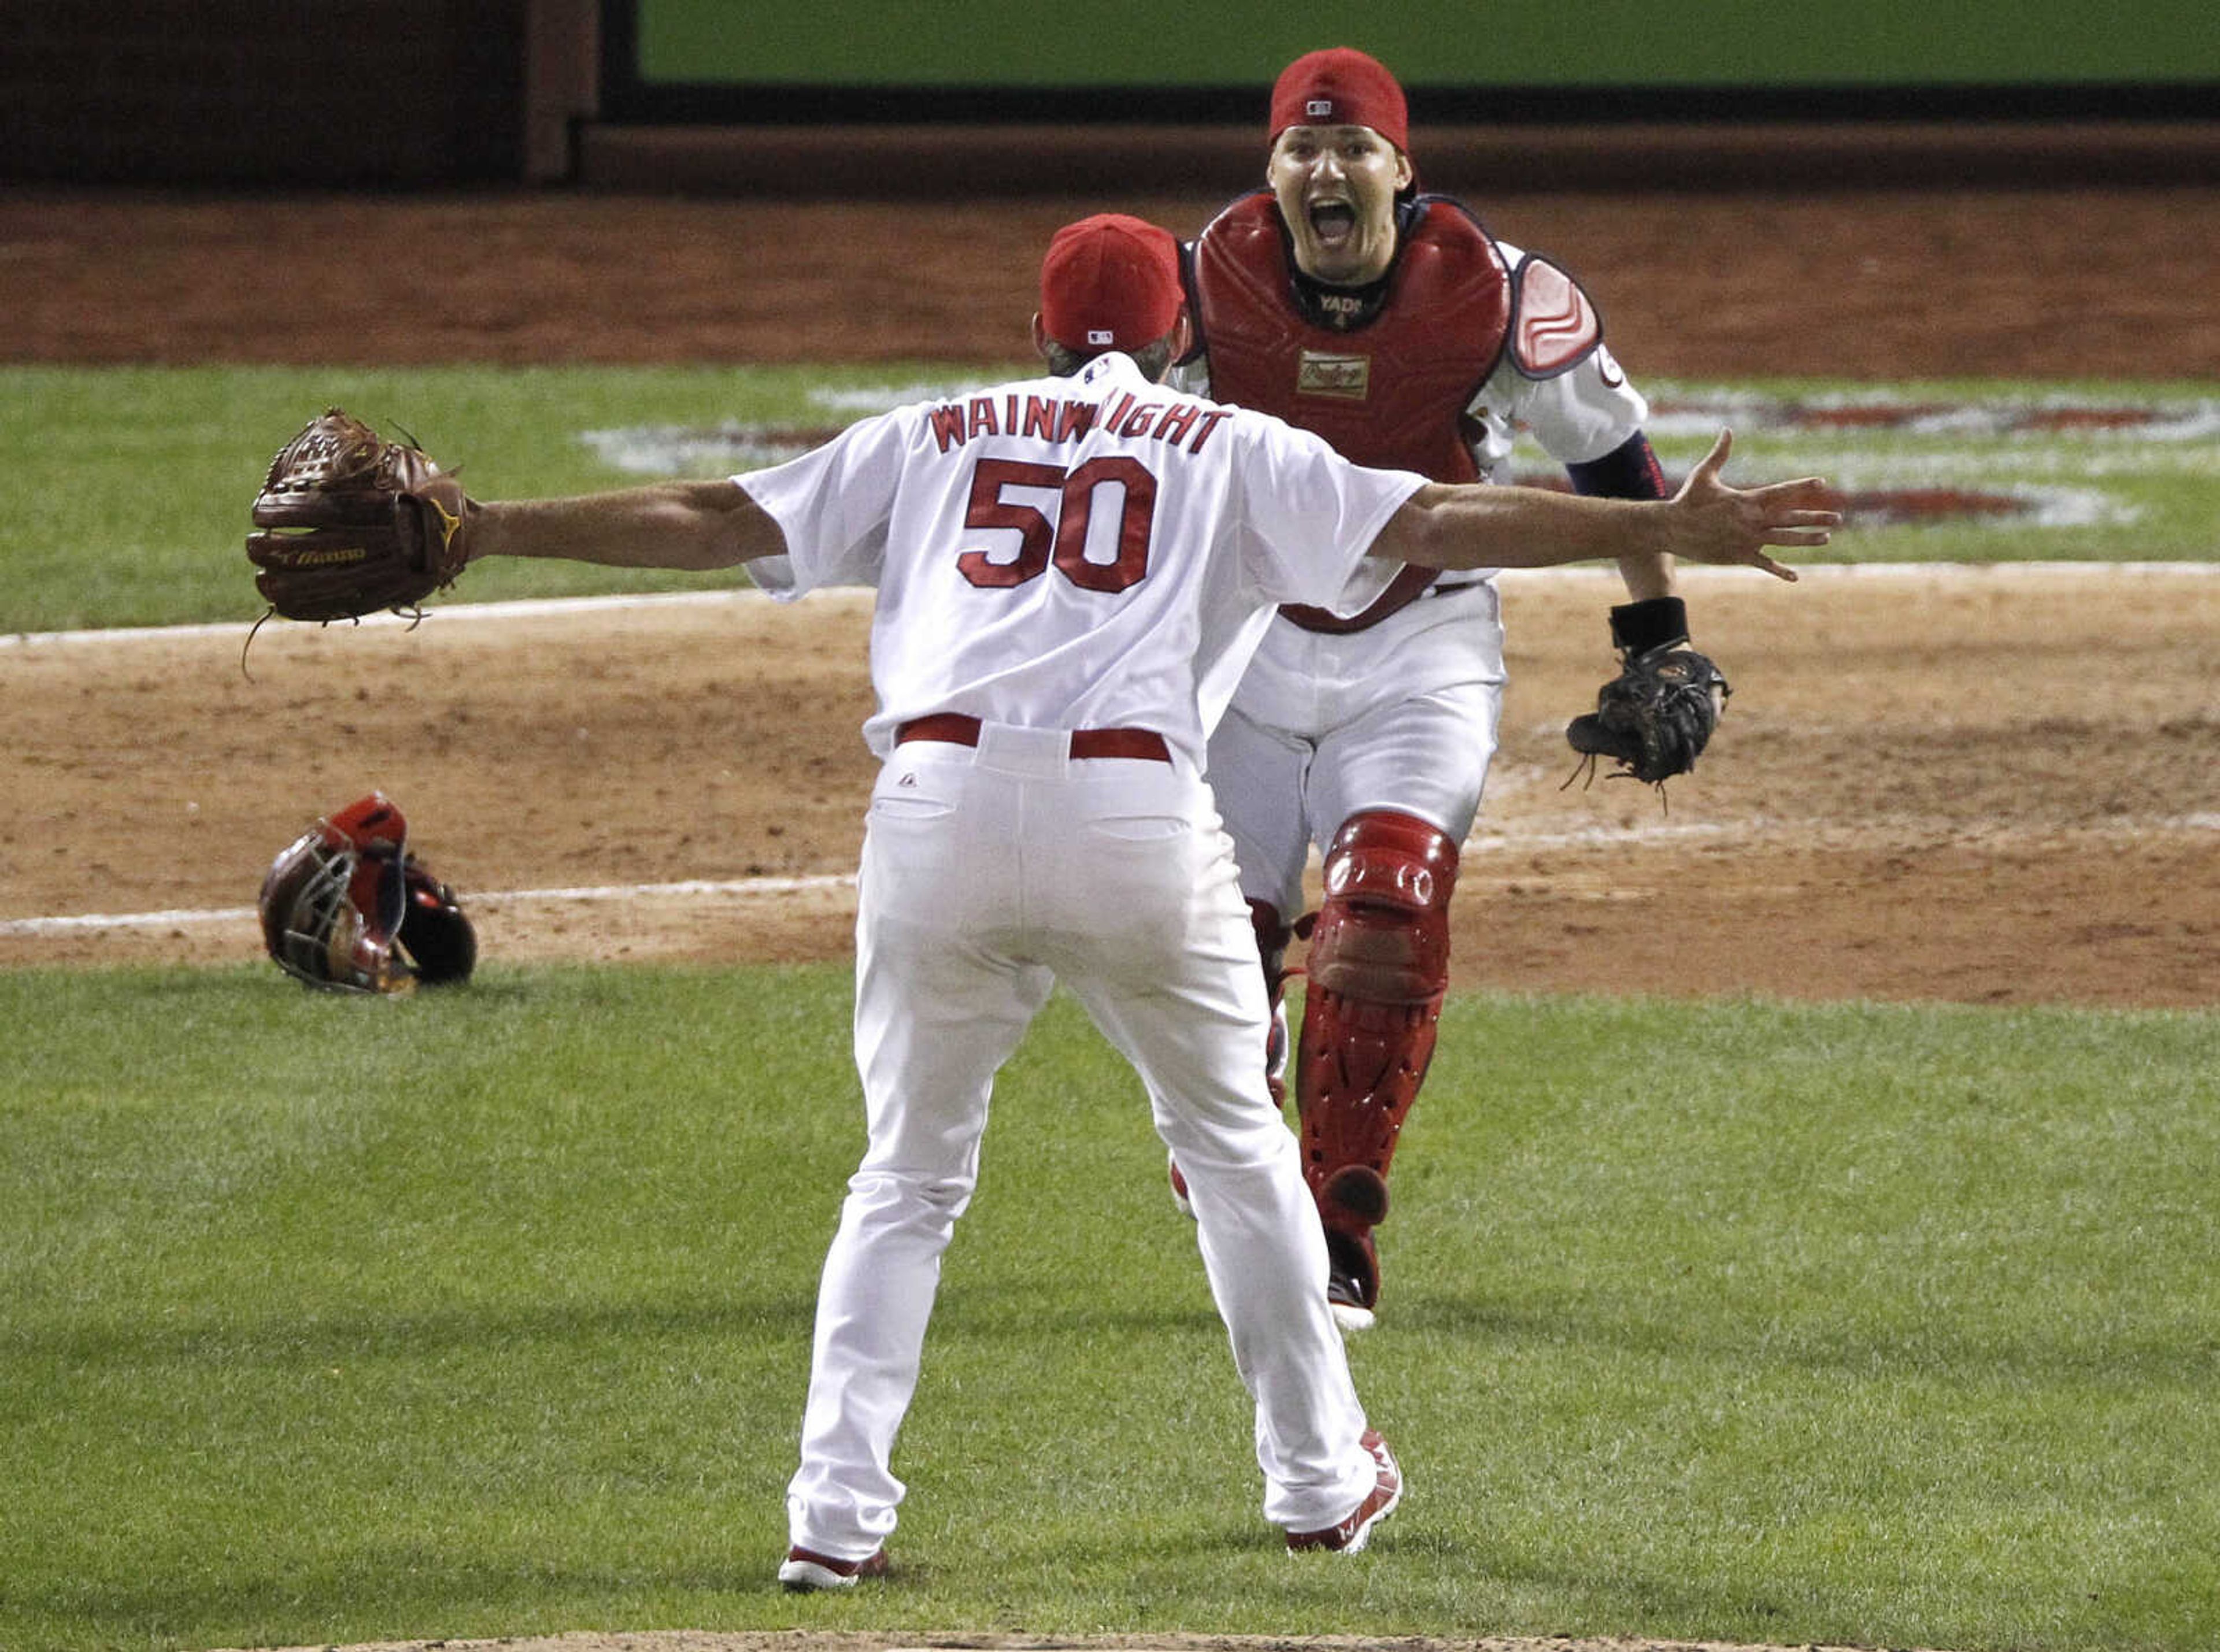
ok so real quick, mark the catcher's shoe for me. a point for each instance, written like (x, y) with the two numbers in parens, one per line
(1351, 1535)
(1352, 1278)
(805, 1571)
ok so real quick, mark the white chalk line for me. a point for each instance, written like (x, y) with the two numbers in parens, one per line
(745, 888)
(1907, 831)
(534, 607)
(558, 606)
(1480, 843)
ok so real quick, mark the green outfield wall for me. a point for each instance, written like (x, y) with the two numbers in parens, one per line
(1624, 43)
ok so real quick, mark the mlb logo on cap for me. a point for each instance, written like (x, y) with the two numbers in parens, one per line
(1111, 281)
(1340, 87)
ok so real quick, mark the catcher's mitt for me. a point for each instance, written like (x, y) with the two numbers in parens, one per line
(349, 523)
(1655, 717)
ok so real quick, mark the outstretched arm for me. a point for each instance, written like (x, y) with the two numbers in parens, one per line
(685, 524)
(1707, 521)
(1630, 471)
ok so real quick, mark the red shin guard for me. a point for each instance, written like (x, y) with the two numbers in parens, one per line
(1377, 969)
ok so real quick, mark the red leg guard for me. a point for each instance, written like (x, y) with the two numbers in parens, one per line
(1378, 969)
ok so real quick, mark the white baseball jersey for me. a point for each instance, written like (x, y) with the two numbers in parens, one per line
(1086, 552)
(1053, 556)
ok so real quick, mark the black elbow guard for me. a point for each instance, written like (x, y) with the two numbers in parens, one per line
(1630, 471)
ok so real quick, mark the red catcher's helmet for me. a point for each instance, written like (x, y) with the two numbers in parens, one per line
(341, 902)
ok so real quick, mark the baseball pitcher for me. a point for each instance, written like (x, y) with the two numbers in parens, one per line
(1071, 573)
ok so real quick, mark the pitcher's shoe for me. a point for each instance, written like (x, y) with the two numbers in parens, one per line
(805, 1570)
(1352, 1534)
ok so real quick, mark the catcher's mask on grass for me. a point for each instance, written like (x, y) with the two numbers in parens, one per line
(347, 908)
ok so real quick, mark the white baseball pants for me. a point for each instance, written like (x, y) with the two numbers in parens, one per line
(1401, 716)
(988, 875)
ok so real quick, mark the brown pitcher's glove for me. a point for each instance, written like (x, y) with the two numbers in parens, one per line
(1655, 717)
(349, 523)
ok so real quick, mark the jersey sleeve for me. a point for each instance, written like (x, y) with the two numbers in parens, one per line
(833, 505)
(1309, 516)
(1583, 415)
(1577, 413)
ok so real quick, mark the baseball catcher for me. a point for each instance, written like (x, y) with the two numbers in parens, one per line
(347, 908)
(348, 523)
(1655, 717)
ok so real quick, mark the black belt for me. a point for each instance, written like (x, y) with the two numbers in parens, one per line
(955, 728)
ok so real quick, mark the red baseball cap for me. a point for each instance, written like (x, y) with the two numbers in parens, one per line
(1340, 86)
(1110, 281)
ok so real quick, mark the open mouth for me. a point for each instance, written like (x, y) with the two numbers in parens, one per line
(1333, 222)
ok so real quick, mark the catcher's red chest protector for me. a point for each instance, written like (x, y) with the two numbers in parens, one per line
(1389, 392)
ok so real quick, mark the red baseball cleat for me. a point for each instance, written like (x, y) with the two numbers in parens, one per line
(805, 1570)
(1353, 1532)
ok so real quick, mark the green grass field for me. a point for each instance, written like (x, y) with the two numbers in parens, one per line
(488, 1313)
(88, 541)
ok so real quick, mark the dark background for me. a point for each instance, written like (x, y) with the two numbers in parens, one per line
(474, 93)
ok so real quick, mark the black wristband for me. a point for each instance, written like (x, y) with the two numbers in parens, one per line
(1657, 622)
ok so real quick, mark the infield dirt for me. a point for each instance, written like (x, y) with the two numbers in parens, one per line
(1998, 787)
